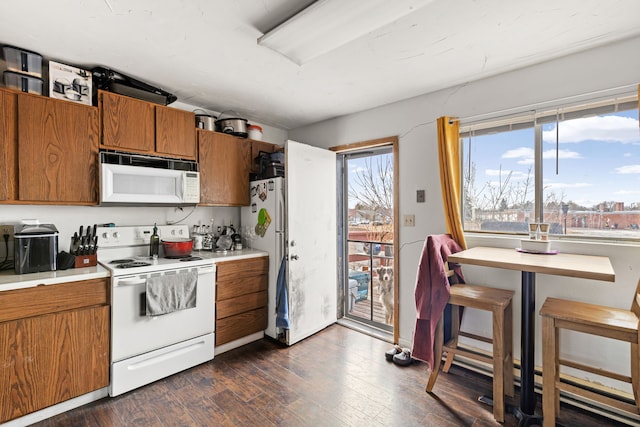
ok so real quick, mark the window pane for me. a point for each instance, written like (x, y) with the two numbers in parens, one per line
(498, 181)
(598, 182)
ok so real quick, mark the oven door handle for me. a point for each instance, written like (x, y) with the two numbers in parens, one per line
(131, 282)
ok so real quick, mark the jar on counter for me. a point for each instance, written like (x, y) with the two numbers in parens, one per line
(255, 132)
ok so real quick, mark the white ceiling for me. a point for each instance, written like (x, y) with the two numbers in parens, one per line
(205, 51)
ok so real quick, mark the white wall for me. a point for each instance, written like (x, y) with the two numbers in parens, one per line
(413, 121)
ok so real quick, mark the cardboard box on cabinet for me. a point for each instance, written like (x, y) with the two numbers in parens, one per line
(70, 83)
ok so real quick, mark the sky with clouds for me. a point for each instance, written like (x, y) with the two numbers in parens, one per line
(598, 157)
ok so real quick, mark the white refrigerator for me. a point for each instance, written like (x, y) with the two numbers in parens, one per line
(263, 224)
(295, 220)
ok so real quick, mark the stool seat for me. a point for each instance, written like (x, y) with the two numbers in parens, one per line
(499, 303)
(591, 319)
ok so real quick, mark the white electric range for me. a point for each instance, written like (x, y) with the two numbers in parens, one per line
(145, 348)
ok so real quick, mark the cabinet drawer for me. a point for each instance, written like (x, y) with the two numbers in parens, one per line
(242, 286)
(229, 271)
(233, 327)
(241, 304)
(39, 300)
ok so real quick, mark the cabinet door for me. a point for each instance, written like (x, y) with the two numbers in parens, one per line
(52, 358)
(8, 145)
(57, 151)
(127, 123)
(176, 133)
(256, 148)
(224, 169)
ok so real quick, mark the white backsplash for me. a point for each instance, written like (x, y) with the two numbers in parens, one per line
(68, 219)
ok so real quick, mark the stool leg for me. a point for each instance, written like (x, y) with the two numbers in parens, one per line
(508, 350)
(550, 372)
(498, 363)
(437, 355)
(635, 372)
(453, 342)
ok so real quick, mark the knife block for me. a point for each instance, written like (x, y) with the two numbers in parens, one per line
(86, 260)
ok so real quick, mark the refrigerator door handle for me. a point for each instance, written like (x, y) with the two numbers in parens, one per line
(280, 215)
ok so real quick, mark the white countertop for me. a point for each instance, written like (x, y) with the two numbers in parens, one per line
(230, 255)
(9, 280)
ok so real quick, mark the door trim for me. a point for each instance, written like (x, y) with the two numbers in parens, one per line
(393, 142)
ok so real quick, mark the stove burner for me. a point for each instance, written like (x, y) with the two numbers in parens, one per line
(178, 256)
(133, 264)
(121, 261)
(191, 258)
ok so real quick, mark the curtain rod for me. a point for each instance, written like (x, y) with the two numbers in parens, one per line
(617, 91)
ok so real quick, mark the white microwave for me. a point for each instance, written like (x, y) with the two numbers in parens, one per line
(138, 180)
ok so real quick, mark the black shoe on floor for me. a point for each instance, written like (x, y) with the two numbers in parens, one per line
(403, 358)
(390, 353)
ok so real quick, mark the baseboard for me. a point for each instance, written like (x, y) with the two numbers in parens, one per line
(54, 410)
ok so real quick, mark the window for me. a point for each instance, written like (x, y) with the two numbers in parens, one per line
(576, 168)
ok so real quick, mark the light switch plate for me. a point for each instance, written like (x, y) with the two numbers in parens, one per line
(420, 196)
(410, 220)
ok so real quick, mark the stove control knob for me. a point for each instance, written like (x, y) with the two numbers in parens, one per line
(116, 234)
(180, 232)
(105, 235)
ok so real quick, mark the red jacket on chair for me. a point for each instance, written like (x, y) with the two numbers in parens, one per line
(432, 292)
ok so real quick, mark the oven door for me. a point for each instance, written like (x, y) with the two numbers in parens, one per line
(134, 333)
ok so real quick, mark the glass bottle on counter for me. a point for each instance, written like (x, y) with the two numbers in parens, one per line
(154, 243)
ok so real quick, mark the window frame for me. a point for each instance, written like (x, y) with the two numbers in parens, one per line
(531, 117)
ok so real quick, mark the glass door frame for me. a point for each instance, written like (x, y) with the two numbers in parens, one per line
(364, 148)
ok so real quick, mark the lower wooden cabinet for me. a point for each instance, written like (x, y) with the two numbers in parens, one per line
(241, 298)
(55, 352)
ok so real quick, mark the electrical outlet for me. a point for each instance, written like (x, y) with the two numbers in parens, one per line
(410, 220)
(6, 229)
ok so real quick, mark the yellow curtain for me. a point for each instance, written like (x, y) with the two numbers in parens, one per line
(450, 177)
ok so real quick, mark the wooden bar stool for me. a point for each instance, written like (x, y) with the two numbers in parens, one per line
(591, 319)
(498, 302)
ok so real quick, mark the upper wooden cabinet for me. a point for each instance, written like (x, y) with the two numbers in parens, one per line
(258, 147)
(224, 169)
(175, 133)
(8, 145)
(129, 124)
(49, 150)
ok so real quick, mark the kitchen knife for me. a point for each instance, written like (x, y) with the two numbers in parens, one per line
(74, 243)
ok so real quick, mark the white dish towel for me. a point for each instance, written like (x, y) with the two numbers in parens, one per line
(171, 292)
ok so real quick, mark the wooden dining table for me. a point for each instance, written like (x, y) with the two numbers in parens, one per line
(560, 264)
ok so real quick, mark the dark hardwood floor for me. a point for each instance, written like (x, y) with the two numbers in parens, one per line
(338, 377)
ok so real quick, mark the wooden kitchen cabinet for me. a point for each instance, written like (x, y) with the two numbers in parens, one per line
(8, 145)
(175, 133)
(241, 298)
(256, 148)
(54, 342)
(49, 150)
(225, 161)
(133, 125)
